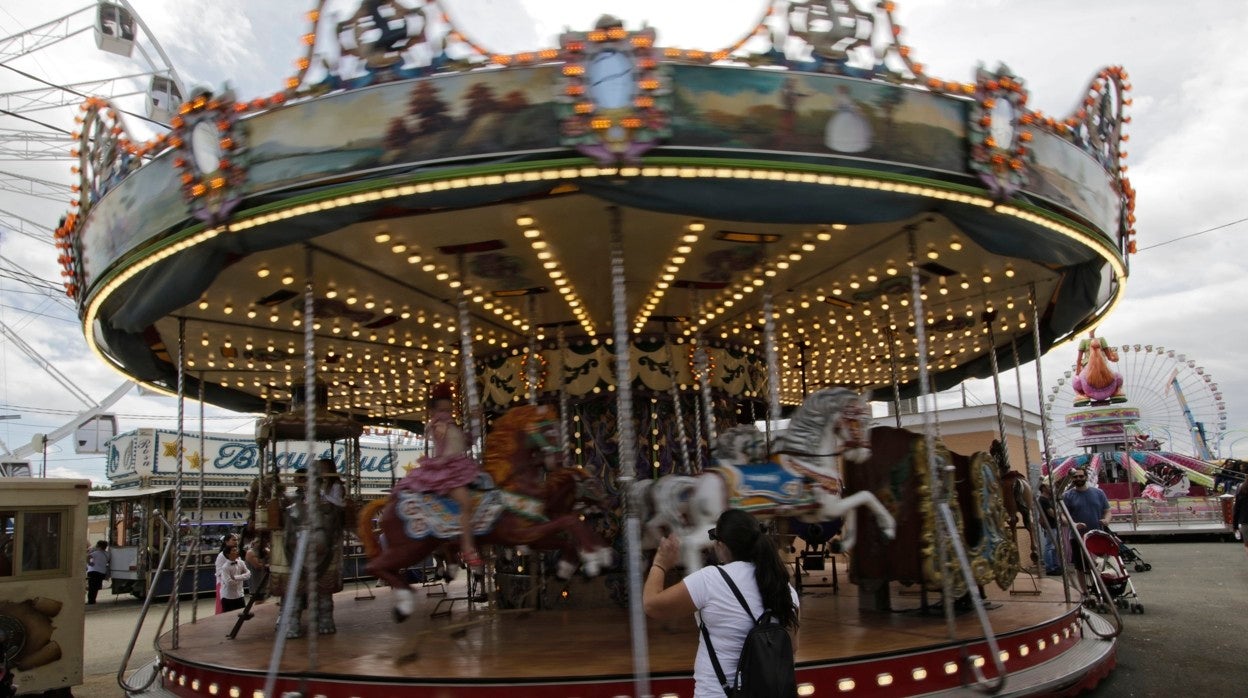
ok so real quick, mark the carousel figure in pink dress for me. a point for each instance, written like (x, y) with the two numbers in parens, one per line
(450, 469)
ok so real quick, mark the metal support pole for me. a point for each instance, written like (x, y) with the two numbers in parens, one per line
(682, 438)
(892, 364)
(199, 502)
(175, 599)
(530, 359)
(467, 362)
(628, 458)
(989, 319)
(936, 478)
(314, 472)
(1036, 523)
(1048, 458)
(565, 432)
(773, 361)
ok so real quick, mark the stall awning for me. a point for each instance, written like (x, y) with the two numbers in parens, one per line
(129, 493)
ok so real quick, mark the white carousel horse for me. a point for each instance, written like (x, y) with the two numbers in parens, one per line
(803, 480)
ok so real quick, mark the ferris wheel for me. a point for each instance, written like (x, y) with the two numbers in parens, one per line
(1180, 404)
(41, 92)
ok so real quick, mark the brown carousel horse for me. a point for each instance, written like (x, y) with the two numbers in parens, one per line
(523, 509)
(1015, 490)
(897, 474)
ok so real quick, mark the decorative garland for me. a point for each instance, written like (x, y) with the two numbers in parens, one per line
(612, 132)
(211, 191)
(998, 145)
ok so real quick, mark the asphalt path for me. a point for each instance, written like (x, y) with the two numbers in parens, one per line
(1189, 641)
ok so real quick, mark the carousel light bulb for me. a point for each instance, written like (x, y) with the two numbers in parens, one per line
(351, 299)
(227, 309)
(262, 272)
(891, 268)
(932, 252)
(955, 243)
(987, 277)
(414, 259)
(872, 276)
(370, 303)
(524, 221)
(204, 340)
(398, 248)
(203, 303)
(1009, 271)
(382, 237)
(696, 226)
(965, 283)
(853, 282)
(288, 279)
(532, 233)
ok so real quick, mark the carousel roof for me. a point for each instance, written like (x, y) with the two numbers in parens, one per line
(808, 184)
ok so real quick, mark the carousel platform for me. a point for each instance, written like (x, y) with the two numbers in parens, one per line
(1046, 645)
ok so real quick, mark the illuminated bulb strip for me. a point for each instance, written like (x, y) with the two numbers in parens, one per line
(113, 283)
(667, 274)
(558, 275)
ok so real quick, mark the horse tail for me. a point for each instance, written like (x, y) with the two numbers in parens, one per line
(364, 526)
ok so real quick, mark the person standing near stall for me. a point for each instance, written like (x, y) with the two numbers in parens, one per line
(98, 563)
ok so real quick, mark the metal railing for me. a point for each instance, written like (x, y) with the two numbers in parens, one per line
(171, 540)
(954, 537)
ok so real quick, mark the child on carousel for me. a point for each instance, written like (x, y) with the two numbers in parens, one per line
(449, 470)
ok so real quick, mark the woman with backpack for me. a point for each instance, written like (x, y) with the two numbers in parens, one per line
(750, 571)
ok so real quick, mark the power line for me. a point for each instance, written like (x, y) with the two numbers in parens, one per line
(1192, 235)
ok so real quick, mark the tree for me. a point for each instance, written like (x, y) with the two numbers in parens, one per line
(428, 109)
(514, 101)
(481, 100)
(397, 135)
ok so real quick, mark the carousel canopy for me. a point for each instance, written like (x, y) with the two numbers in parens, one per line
(735, 181)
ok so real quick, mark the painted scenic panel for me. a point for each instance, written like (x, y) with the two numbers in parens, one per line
(819, 114)
(441, 117)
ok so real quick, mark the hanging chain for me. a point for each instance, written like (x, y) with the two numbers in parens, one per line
(467, 362)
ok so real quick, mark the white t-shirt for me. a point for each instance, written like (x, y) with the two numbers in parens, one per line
(725, 621)
(231, 577)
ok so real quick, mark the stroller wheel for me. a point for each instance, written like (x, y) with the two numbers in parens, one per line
(1147, 567)
(1138, 608)
(1139, 567)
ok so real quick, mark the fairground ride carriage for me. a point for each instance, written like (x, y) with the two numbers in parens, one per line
(663, 240)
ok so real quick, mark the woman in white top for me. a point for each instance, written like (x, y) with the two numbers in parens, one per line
(750, 558)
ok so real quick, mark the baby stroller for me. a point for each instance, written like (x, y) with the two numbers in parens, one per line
(1108, 561)
(1130, 555)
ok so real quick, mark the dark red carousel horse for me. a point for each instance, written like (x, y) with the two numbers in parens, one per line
(897, 473)
(524, 508)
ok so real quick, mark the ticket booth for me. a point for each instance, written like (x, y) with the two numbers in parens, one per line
(43, 568)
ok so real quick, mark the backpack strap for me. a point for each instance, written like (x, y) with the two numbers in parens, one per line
(719, 670)
(740, 596)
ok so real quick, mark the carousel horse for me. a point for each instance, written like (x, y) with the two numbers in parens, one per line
(1095, 381)
(802, 479)
(897, 472)
(523, 510)
(1015, 490)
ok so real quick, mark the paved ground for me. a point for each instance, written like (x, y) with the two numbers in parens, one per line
(1189, 642)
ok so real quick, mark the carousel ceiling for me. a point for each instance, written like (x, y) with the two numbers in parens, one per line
(386, 292)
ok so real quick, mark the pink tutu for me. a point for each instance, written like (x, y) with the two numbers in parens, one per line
(440, 474)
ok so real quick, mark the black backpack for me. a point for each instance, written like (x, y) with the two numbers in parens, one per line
(765, 669)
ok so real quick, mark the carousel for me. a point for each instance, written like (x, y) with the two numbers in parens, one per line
(624, 255)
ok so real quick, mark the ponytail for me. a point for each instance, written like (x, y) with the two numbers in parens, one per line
(748, 542)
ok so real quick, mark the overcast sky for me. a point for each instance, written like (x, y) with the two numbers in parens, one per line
(1186, 64)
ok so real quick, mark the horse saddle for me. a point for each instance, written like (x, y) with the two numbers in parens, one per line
(765, 485)
(427, 515)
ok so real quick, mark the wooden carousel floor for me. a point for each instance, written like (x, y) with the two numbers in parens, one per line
(480, 646)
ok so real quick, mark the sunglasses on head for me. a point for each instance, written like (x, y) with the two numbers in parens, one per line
(712, 535)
